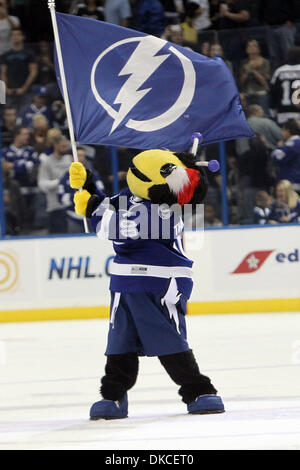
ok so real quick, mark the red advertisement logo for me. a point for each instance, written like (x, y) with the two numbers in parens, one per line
(252, 262)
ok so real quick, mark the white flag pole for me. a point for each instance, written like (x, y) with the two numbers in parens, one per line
(51, 5)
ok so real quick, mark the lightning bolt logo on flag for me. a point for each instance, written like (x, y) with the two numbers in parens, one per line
(252, 262)
(130, 89)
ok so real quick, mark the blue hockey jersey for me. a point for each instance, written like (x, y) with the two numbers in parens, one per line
(287, 157)
(295, 213)
(261, 215)
(147, 239)
(25, 164)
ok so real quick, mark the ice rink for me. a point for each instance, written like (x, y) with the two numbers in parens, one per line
(50, 376)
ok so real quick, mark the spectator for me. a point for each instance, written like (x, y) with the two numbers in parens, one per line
(261, 125)
(174, 9)
(40, 123)
(40, 127)
(174, 34)
(9, 125)
(284, 88)
(287, 154)
(254, 165)
(261, 211)
(280, 209)
(199, 10)
(210, 219)
(234, 14)
(213, 195)
(38, 106)
(46, 71)
(90, 9)
(281, 36)
(66, 193)
(18, 71)
(20, 9)
(214, 6)
(216, 50)
(7, 24)
(118, 12)
(60, 117)
(150, 17)
(255, 75)
(50, 139)
(52, 168)
(125, 158)
(233, 199)
(13, 201)
(190, 34)
(204, 48)
(24, 162)
(292, 199)
(255, 174)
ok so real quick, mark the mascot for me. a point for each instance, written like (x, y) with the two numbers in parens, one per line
(151, 278)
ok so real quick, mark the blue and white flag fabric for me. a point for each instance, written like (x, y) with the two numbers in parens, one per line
(134, 90)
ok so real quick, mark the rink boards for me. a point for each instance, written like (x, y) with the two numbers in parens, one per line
(253, 269)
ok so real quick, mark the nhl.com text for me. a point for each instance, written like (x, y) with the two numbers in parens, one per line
(149, 459)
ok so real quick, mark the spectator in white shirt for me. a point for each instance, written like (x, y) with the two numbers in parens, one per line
(7, 24)
(201, 14)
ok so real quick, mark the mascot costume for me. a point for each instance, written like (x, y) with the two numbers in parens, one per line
(151, 278)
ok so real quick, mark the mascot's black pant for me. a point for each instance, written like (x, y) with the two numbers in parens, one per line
(121, 372)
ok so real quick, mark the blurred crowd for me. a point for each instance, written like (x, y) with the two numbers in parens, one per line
(259, 40)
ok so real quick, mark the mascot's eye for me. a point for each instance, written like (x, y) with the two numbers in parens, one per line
(167, 169)
(139, 175)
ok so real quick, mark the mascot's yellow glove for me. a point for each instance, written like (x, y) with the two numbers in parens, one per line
(77, 174)
(81, 199)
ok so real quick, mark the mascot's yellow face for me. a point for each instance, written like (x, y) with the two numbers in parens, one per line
(151, 168)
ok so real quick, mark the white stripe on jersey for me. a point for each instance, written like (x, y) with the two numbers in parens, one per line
(148, 270)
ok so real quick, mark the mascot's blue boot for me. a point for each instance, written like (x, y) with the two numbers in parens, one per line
(206, 404)
(109, 409)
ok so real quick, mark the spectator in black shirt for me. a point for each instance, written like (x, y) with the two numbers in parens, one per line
(9, 125)
(173, 10)
(46, 71)
(90, 9)
(214, 7)
(18, 71)
(281, 36)
(234, 14)
(255, 174)
(13, 202)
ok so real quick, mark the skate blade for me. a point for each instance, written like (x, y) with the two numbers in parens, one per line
(207, 412)
(96, 418)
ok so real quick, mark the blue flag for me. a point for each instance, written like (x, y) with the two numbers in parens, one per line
(134, 90)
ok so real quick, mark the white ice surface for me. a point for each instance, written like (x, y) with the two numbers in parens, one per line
(50, 377)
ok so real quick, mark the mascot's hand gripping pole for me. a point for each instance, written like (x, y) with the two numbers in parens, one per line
(51, 5)
(213, 165)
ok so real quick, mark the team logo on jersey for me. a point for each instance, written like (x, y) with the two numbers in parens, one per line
(252, 262)
(164, 211)
(143, 62)
(9, 271)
